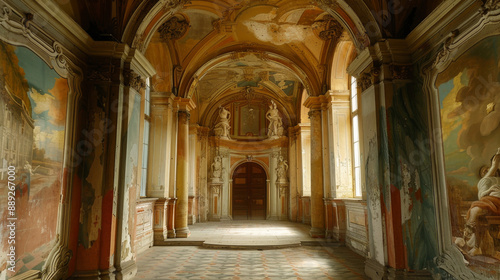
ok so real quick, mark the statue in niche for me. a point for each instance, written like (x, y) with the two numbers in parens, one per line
(275, 129)
(281, 170)
(216, 169)
(222, 128)
(478, 238)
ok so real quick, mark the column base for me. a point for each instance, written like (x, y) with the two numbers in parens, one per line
(182, 232)
(126, 271)
(171, 233)
(160, 235)
(317, 232)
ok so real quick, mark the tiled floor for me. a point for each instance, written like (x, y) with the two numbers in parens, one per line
(246, 233)
(296, 262)
(307, 262)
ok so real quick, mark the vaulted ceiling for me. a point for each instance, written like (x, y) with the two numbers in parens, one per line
(277, 49)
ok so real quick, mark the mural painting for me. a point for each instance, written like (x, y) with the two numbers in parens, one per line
(411, 179)
(33, 101)
(131, 178)
(470, 116)
(249, 122)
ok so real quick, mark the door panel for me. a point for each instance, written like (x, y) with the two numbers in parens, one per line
(249, 192)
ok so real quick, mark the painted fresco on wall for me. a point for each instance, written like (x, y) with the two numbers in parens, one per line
(411, 179)
(33, 101)
(250, 120)
(131, 180)
(469, 95)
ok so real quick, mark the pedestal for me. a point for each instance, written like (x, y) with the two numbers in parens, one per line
(171, 217)
(282, 188)
(215, 189)
(160, 219)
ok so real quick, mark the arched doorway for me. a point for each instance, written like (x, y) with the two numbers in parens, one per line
(249, 192)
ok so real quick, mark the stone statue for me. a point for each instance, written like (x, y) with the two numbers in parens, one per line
(216, 169)
(222, 127)
(275, 129)
(476, 228)
(281, 170)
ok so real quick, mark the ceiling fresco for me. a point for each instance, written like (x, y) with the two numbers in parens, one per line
(247, 70)
(249, 32)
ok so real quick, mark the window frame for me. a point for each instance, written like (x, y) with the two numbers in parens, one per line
(145, 140)
(355, 137)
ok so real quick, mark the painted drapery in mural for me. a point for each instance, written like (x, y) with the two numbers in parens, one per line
(33, 100)
(469, 95)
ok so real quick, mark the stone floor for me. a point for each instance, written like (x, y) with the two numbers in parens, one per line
(249, 250)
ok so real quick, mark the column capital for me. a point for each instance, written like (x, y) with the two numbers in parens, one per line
(314, 102)
(184, 104)
(184, 116)
(314, 114)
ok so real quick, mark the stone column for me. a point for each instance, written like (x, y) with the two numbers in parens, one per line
(292, 155)
(317, 206)
(181, 211)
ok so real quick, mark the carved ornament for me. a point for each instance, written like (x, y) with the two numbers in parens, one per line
(173, 29)
(333, 29)
(333, 4)
(174, 4)
(445, 51)
(364, 81)
(401, 72)
(133, 80)
(489, 5)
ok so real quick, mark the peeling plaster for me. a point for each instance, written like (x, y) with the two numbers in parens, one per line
(406, 201)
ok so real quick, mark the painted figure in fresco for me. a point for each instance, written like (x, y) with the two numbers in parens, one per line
(217, 168)
(275, 123)
(22, 188)
(281, 169)
(222, 127)
(488, 204)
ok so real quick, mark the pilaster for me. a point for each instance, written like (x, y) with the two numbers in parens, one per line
(181, 211)
(317, 188)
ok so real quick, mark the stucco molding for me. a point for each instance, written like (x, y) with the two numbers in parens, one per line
(450, 259)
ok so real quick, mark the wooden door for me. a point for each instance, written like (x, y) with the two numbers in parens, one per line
(249, 192)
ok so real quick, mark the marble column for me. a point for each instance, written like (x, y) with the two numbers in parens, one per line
(317, 206)
(181, 211)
